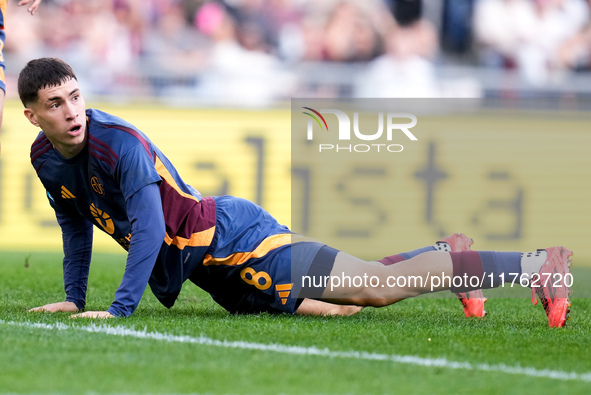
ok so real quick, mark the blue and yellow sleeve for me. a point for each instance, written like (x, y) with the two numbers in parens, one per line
(2, 41)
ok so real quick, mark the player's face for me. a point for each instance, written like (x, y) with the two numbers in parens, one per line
(60, 113)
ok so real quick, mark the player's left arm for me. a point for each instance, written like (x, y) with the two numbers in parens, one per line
(144, 209)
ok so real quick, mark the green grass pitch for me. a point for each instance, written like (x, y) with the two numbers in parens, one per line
(511, 351)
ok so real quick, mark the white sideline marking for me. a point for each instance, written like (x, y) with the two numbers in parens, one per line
(323, 352)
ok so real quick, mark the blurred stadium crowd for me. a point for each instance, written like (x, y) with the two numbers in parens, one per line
(260, 52)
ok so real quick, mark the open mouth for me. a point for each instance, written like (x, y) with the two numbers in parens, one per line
(75, 129)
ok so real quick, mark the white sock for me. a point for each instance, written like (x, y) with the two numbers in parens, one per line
(442, 246)
(531, 262)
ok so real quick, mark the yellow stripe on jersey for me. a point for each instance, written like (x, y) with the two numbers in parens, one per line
(66, 194)
(166, 176)
(199, 239)
(267, 245)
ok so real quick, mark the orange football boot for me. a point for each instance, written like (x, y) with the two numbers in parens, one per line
(550, 286)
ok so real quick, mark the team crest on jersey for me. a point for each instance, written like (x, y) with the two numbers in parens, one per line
(96, 185)
(103, 219)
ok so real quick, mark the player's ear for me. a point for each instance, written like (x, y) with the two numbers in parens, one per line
(30, 114)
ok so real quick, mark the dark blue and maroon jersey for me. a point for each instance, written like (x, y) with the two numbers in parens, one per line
(125, 186)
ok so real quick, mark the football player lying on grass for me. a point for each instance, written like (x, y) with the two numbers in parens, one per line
(99, 170)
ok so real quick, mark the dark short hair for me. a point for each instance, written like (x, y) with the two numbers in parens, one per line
(42, 73)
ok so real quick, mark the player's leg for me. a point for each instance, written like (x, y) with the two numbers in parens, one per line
(472, 301)
(275, 266)
(350, 280)
(457, 242)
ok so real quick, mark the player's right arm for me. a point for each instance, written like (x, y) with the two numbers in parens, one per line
(77, 243)
(55, 307)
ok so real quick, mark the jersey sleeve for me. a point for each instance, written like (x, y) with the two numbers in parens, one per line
(144, 209)
(135, 169)
(2, 42)
(77, 244)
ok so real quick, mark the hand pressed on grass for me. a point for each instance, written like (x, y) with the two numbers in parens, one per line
(55, 307)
